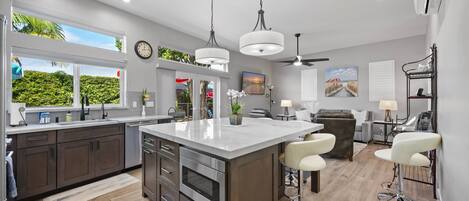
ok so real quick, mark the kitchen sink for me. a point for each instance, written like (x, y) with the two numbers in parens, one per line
(84, 122)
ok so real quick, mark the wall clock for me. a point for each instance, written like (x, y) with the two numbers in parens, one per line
(143, 49)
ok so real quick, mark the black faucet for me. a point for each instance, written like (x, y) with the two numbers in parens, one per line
(105, 115)
(84, 101)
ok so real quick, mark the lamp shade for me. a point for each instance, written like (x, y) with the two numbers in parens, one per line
(212, 55)
(286, 103)
(388, 105)
(261, 43)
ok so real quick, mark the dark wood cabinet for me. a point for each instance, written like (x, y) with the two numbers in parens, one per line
(149, 183)
(75, 162)
(36, 170)
(160, 169)
(48, 161)
(87, 158)
(167, 192)
(109, 155)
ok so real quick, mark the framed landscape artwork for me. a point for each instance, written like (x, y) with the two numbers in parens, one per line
(341, 82)
(253, 83)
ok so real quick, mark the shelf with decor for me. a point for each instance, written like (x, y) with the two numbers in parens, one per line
(426, 71)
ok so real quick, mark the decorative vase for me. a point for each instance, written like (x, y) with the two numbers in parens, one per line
(236, 119)
(143, 111)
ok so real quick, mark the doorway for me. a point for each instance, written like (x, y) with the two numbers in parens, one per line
(197, 96)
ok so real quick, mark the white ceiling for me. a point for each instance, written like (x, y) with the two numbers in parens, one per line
(325, 24)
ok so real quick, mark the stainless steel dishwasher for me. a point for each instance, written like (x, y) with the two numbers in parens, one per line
(133, 145)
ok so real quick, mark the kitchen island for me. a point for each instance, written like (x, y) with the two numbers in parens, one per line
(212, 160)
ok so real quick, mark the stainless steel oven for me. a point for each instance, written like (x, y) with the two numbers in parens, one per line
(202, 177)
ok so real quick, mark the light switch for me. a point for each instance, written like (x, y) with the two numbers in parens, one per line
(150, 104)
(134, 104)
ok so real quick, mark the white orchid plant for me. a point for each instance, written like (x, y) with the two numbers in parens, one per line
(234, 97)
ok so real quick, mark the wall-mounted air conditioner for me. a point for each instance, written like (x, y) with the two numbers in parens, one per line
(427, 7)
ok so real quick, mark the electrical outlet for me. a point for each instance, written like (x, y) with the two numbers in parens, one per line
(150, 104)
(134, 104)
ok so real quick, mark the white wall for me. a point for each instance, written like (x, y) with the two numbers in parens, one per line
(287, 79)
(142, 73)
(450, 31)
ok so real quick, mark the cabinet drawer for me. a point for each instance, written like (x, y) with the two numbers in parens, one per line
(169, 149)
(69, 135)
(149, 141)
(167, 192)
(36, 139)
(168, 170)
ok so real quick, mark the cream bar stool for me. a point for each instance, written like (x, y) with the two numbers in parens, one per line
(405, 150)
(304, 155)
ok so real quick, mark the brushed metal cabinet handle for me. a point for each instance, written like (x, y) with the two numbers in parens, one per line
(166, 171)
(163, 197)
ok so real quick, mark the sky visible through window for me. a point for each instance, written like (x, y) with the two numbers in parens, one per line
(89, 38)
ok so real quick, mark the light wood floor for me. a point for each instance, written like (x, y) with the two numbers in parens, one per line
(342, 180)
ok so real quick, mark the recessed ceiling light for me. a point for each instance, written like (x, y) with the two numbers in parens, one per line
(126, 1)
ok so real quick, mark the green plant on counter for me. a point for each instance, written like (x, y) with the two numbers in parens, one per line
(145, 96)
(234, 96)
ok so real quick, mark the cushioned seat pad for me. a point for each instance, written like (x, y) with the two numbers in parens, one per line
(308, 163)
(416, 159)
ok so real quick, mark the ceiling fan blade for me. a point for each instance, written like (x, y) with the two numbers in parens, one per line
(286, 65)
(315, 60)
(308, 64)
(286, 61)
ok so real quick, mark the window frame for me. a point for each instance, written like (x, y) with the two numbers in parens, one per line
(53, 50)
(225, 66)
(70, 23)
(76, 105)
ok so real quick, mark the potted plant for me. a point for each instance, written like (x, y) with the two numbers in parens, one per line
(145, 97)
(236, 116)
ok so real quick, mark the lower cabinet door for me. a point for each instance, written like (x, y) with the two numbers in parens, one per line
(166, 192)
(109, 155)
(75, 162)
(36, 169)
(149, 171)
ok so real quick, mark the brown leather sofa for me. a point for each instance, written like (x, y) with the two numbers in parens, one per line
(340, 123)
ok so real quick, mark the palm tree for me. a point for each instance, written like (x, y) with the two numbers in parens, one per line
(37, 27)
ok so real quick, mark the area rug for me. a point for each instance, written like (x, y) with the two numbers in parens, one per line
(358, 147)
(94, 190)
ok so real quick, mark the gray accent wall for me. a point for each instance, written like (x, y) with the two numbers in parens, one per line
(450, 31)
(287, 80)
(143, 73)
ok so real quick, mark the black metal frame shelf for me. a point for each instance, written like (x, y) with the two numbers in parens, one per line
(432, 75)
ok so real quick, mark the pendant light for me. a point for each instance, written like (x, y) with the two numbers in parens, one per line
(261, 42)
(212, 53)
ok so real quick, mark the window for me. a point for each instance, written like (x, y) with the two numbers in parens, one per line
(45, 83)
(309, 85)
(102, 85)
(57, 31)
(169, 54)
(382, 80)
(42, 83)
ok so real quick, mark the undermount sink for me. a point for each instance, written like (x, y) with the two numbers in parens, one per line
(84, 122)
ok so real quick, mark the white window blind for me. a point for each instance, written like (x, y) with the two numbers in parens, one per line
(309, 85)
(382, 80)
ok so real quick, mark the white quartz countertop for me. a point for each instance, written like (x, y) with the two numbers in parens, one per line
(54, 126)
(218, 137)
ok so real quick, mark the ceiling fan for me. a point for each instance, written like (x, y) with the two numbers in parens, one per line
(298, 61)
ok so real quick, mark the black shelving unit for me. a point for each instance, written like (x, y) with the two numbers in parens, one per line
(415, 173)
